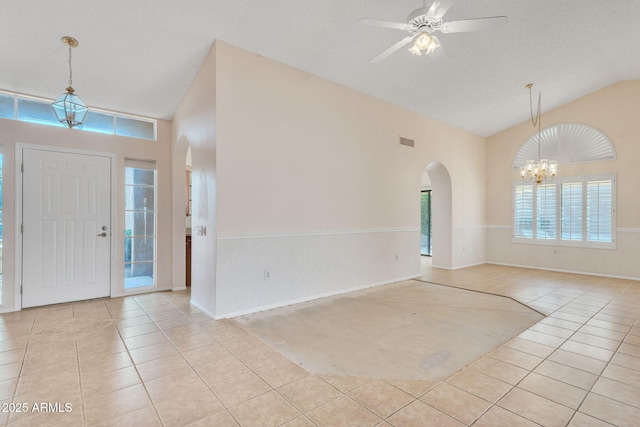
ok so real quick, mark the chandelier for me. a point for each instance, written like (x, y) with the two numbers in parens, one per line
(69, 108)
(539, 170)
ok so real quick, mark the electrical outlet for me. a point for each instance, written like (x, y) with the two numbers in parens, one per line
(267, 275)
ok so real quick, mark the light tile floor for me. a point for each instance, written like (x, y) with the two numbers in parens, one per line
(154, 360)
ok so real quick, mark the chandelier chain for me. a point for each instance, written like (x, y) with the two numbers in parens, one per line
(542, 169)
(70, 70)
(535, 120)
(69, 108)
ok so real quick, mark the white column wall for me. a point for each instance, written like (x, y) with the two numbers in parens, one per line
(313, 186)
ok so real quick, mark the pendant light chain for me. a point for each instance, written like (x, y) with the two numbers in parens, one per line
(540, 170)
(70, 70)
(536, 120)
(69, 108)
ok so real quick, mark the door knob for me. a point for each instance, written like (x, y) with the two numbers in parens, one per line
(102, 235)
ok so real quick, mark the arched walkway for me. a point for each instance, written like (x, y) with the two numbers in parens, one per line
(441, 214)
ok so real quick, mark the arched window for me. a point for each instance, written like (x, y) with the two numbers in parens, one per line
(567, 211)
(567, 143)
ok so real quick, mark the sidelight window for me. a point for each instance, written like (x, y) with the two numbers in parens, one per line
(139, 224)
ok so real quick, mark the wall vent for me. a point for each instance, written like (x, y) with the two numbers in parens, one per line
(408, 142)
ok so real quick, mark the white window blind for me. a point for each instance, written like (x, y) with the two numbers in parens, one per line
(571, 226)
(577, 211)
(546, 212)
(523, 211)
(599, 211)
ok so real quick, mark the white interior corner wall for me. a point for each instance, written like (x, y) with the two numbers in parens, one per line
(271, 271)
(612, 110)
(315, 196)
(467, 248)
(17, 132)
(621, 262)
(195, 126)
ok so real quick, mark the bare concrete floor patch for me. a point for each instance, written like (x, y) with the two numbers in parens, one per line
(408, 330)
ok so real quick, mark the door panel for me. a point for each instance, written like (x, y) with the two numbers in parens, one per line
(66, 202)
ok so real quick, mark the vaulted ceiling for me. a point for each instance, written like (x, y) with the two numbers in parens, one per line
(140, 56)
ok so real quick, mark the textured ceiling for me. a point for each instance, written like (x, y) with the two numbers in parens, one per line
(140, 56)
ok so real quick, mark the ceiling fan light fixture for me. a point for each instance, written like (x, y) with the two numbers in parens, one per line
(424, 43)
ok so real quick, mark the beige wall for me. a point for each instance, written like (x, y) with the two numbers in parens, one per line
(311, 155)
(195, 127)
(614, 111)
(303, 162)
(13, 132)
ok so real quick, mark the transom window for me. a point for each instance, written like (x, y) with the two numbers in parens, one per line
(577, 211)
(38, 110)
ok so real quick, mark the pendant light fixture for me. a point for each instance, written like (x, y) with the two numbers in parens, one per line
(539, 170)
(69, 108)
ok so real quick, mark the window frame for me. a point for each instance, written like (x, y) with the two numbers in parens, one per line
(112, 114)
(146, 165)
(558, 241)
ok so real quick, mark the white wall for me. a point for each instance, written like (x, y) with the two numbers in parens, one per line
(313, 186)
(12, 132)
(195, 127)
(614, 111)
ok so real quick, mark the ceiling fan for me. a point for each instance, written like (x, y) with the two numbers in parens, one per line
(424, 21)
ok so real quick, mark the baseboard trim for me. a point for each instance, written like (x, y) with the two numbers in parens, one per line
(135, 292)
(183, 288)
(311, 298)
(468, 265)
(202, 309)
(585, 273)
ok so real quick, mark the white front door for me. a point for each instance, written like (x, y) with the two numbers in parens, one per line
(66, 239)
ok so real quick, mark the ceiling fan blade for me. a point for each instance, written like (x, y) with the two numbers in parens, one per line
(439, 8)
(392, 49)
(382, 23)
(439, 54)
(479, 24)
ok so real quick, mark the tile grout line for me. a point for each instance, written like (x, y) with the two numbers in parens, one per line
(530, 371)
(607, 362)
(163, 331)
(604, 369)
(343, 394)
(574, 332)
(135, 366)
(24, 359)
(575, 411)
(84, 412)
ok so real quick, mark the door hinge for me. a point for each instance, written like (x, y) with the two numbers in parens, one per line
(20, 289)
(21, 228)
(21, 167)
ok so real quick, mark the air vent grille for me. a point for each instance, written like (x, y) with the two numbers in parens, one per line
(408, 142)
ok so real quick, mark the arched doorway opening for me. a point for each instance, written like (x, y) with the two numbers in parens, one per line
(181, 207)
(437, 182)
